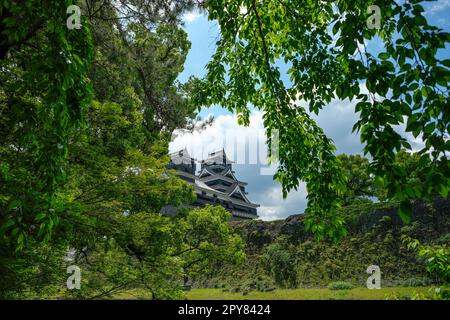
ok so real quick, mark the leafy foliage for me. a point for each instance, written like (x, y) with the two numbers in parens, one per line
(288, 254)
(322, 46)
(280, 264)
(437, 261)
(360, 184)
(206, 239)
(138, 62)
(340, 285)
(107, 179)
(363, 187)
(44, 93)
(83, 170)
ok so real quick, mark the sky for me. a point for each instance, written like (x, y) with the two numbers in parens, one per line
(245, 145)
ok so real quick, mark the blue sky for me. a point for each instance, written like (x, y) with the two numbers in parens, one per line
(336, 119)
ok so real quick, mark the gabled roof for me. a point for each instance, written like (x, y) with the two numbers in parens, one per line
(217, 157)
(227, 175)
(210, 177)
(228, 172)
(181, 157)
(205, 172)
(204, 186)
(236, 189)
(200, 186)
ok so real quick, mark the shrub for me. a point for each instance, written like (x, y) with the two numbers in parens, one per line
(340, 285)
(415, 282)
(437, 262)
(261, 283)
(280, 264)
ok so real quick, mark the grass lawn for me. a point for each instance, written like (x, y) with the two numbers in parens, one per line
(309, 294)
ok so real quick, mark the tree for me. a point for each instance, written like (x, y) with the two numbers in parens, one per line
(206, 238)
(406, 83)
(44, 92)
(138, 56)
(280, 263)
(362, 187)
(360, 184)
(437, 262)
(105, 209)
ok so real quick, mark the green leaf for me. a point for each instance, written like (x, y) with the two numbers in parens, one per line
(41, 216)
(383, 55)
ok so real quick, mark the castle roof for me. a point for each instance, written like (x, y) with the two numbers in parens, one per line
(200, 186)
(217, 182)
(181, 157)
(217, 157)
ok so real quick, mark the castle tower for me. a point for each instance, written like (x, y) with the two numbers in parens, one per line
(216, 183)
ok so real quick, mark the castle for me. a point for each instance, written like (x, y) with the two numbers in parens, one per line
(215, 184)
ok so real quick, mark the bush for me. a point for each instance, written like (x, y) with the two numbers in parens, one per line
(340, 285)
(261, 283)
(437, 262)
(280, 263)
(415, 282)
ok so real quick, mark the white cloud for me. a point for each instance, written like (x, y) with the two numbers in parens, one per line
(437, 7)
(417, 143)
(191, 16)
(240, 146)
(336, 119)
(244, 145)
(273, 207)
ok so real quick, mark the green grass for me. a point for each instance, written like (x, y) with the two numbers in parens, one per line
(308, 294)
(289, 294)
